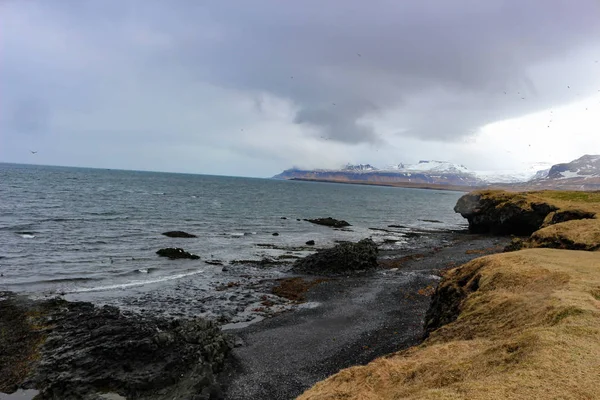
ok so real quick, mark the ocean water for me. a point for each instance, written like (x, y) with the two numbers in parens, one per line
(89, 231)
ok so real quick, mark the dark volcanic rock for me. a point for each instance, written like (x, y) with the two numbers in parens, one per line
(175, 253)
(331, 222)
(310, 243)
(343, 258)
(90, 350)
(179, 234)
(504, 213)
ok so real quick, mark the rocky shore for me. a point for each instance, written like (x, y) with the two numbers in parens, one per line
(74, 350)
(352, 304)
(347, 320)
(521, 324)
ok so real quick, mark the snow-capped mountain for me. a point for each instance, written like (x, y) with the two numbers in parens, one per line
(527, 172)
(431, 166)
(587, 166)
(581, 174)
(424, 172)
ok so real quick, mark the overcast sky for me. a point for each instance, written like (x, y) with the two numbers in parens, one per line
(253, 87)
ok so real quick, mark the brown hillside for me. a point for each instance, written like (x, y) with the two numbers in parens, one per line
(528, 327)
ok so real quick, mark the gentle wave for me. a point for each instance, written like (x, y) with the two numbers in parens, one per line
(133, 284)
(57, 280)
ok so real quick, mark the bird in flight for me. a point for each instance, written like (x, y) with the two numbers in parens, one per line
(33, 152)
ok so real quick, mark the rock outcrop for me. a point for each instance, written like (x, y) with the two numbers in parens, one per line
(341, 259)
(561, 220)
(83, 351)
(176, 253)
(179, 234)
(331, 222)
(502, 212)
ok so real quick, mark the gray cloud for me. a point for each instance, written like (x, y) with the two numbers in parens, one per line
(437, 70)
(378, 56)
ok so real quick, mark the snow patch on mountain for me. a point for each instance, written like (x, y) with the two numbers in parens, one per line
(537, 170)
(430, 166)
(359, 168)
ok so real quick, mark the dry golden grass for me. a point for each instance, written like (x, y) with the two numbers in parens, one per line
(581, 234)
(576, 234)
(530, 331)
(563, 200)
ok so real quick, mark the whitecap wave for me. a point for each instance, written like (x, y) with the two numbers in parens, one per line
(27, 236)
(133, 284)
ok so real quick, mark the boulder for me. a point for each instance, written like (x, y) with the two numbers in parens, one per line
(175, 253)
(331, 222)
(179, 234)
(341, 259)
(502, 212)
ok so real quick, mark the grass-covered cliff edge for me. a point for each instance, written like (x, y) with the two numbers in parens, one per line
(522, 324)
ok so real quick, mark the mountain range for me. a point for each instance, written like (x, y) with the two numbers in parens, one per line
(580, 174)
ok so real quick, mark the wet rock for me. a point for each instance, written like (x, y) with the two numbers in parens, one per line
(310, 243)
(176, 253)
(90, 350)
(343, 258)
(331, 222)
(179, 234)
(265, 262)
(502, 213)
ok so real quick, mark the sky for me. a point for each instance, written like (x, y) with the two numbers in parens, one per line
(250, 88)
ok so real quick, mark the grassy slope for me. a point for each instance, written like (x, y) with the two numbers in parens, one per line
(531, 329)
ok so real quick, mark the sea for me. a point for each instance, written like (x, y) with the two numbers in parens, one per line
(92, 234)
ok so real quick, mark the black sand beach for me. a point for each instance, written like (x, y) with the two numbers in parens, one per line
(354, 320)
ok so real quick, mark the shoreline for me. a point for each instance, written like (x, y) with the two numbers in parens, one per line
(407, 185)
(281, 357)
(287, 352)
